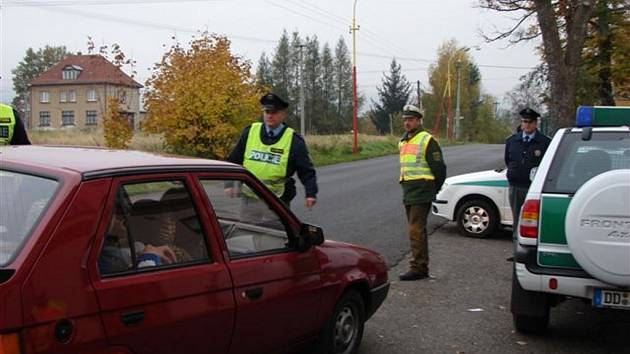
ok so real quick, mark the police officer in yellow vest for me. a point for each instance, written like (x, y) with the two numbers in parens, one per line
(273, 152)
(422, 173)
(12, 130)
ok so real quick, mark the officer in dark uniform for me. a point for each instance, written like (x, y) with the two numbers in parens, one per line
(523, 151)
(273, 152)
(12, 131)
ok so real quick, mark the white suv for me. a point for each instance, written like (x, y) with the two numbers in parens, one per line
(574, 230)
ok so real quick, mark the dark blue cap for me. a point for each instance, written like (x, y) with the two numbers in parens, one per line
(529, 114)
(274, 102)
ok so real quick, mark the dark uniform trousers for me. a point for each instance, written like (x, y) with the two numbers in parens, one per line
(517, 198)
(417, 224)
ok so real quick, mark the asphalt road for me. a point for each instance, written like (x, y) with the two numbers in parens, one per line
(465, 307)
(361, 202)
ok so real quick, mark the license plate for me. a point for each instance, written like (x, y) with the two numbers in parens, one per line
(612, 298)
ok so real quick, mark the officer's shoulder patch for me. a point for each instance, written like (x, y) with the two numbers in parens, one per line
(437, 156)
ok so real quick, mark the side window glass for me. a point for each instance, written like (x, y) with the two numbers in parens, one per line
(153, 224)
(249, 225)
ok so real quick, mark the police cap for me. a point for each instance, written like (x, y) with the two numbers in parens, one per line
(271, 101)
(529, 114)
(411, 111)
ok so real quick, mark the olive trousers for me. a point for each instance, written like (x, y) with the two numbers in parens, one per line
(417, 226)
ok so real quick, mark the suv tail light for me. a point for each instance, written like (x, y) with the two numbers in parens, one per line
(530, 213)
(9, 343)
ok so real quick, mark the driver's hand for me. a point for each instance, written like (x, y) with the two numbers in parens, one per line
(231, 192)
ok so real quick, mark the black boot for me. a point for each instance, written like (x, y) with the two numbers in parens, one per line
(411, 275)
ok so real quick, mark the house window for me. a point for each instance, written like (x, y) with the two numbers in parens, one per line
(90, 118)
(44, 119)
(91, 96)
(72, 96)
(70, 74)
(67, 118)
(44, 97)
(62, 96)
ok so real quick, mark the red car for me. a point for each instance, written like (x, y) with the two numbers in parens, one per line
(106, 251)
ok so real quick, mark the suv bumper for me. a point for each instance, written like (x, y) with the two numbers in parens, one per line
(570, 282)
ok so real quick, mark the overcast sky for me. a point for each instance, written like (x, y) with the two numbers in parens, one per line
(409, 30)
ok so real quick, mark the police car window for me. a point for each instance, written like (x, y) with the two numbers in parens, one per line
(249, 225)
(577, 160)
(153, 224)
(23, 199)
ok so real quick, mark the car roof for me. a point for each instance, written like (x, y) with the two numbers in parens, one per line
(93, 161)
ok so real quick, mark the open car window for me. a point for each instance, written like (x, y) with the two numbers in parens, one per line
(250, 226)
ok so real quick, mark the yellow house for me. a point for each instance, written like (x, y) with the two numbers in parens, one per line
(74, 93)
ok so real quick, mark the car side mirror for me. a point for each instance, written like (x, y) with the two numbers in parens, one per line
(532, 173)
(310, 235)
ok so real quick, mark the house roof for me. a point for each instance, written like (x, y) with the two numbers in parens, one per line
(95, 69)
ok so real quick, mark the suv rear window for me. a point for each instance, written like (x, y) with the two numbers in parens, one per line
(577, 160)
(23, 199)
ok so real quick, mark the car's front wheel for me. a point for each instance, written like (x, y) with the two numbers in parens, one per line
(477, 218)
(344, 330)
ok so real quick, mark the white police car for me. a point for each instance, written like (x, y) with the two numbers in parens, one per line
(478, 202)
(574, 229)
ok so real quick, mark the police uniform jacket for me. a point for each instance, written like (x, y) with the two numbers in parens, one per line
(521, 157)
(423, 191)
(19, 131)
(299, 161)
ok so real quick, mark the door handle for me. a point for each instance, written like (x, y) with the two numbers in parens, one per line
(132, 318)
(253, 293)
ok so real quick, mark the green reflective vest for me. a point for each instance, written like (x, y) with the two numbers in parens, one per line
(413, 162)
(268, 162)
(7, 124)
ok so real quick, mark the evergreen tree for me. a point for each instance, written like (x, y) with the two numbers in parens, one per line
(328, 120)
(393, 94)
(312, 84)
(281, 74)
(264, 77)
(343, 85)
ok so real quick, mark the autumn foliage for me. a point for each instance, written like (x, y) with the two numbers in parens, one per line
(200, 98)
(116, 128)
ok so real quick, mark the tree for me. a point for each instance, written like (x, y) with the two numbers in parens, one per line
(605, 71)
(264, 78)
(393, 94)
(32, 65)
(202, 97)
(343, 85)
(116, 128)
(443, 82)
(562, 26)
(328, 123)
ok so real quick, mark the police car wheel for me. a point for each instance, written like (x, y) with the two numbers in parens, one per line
(477, 218)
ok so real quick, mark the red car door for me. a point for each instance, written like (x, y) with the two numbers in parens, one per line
(159, 276)
(277, 289)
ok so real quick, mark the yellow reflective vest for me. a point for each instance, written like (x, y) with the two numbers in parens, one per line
(268, 162)
(7, 124)
(413, 161)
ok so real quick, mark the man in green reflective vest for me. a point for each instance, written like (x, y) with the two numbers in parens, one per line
(422, 173)
(12, 130)
(273, 152)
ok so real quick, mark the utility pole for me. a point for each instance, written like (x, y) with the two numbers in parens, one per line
(458, 65)
(301, 80)
(355, 100)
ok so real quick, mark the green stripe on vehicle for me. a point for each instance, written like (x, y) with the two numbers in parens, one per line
(484, 183)
(554, 259)
(552, 216)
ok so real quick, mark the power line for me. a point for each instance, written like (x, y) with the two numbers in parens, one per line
(93, 3)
